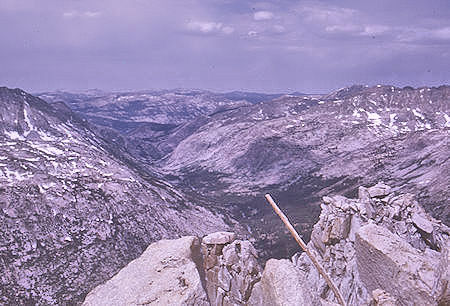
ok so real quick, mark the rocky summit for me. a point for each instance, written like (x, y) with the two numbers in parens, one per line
(380, 241)
(73, 208)
(379, 249)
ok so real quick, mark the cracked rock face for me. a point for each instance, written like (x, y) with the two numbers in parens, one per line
(280, 285)
(167, 273)
(386, 261)
(231, 269)
(220, 271)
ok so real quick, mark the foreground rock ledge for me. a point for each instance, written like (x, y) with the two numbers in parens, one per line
(386, 261)
(165, 274)
(381, 249)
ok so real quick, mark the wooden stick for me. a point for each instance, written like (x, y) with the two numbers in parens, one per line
(303, 246)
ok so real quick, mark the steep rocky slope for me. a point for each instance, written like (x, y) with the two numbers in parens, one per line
(74, 209)
(274, 143)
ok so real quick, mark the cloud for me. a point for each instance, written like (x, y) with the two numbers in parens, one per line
(91, 14)
(209, 27)
(279, 28)
(373, 30)
(227, 30)
(70, 42)
(263, 15)
(204, 27)
(343, 28)
(358, 30)
(70, 14)
(77, 14)
(423, 35)
(332, 20)
(327, 14)
(442, 33)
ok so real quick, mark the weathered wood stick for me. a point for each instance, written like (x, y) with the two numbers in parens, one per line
(303, 246)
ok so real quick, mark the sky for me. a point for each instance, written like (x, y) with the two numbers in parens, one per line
(223, 45)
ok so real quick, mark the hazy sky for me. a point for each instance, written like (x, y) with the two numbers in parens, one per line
(268, 46)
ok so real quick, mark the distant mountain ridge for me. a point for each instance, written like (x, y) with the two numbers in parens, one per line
(302, 147)
(153, 106)
(144, 115)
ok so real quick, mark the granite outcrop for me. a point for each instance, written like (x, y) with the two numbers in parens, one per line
(379, 249)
